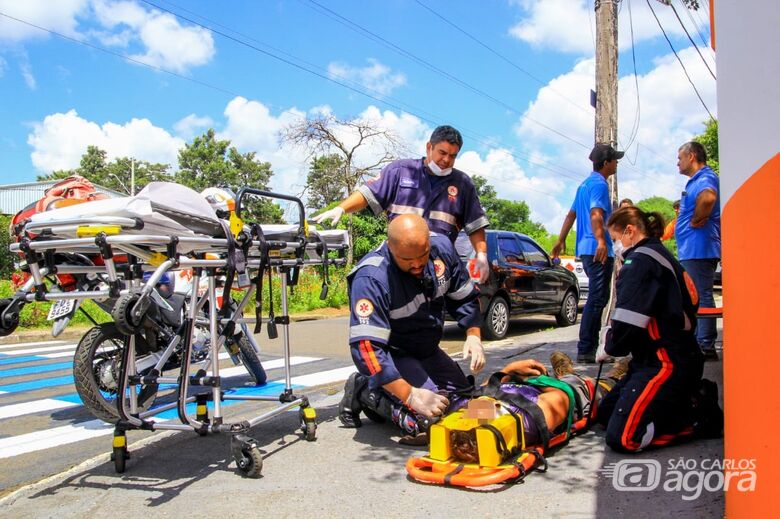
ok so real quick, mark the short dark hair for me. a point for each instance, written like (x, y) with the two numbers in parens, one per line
(626, 201)
(676, 204)
(697, 149)
(446, 133)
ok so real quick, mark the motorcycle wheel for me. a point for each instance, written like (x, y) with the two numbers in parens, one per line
(250, 360)
(96, 369)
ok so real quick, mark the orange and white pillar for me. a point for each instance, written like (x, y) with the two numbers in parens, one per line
(748, 59)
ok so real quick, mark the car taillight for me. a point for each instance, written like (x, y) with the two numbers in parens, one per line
(569, 267)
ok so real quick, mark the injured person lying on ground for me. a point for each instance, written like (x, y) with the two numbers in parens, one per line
(507, 425)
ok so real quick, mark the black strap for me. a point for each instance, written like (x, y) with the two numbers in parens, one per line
(448, 478)
(501, 445)
(262, 247)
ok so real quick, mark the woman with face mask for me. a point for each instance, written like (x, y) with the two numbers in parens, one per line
(660, 400)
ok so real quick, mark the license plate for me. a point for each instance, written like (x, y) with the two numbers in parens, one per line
(61, 308)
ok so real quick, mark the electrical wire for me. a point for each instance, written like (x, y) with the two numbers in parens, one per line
(379, 39)
(679, 60)
(637, 118)
(696, 25)
(692, 42)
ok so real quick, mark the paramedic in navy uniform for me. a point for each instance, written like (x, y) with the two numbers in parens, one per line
(429, 187)
(398, 294)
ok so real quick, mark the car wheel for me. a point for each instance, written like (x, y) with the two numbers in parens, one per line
(568, 313)
(496, 319)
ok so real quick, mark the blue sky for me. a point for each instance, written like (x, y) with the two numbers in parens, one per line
(520, 94)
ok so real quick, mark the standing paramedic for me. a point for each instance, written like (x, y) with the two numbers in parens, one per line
(698, 234)
(397, 296)
(591, 210)
(429, 187)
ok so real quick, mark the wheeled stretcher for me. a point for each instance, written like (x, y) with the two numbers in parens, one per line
(123, 248)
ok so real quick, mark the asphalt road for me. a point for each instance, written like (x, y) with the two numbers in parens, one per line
(345, 472)
(44, 429)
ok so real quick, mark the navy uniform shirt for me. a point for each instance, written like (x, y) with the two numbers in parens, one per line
(448, 203)
(656, 305)
(393, 310)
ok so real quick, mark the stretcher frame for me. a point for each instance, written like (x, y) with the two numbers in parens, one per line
(159, 254)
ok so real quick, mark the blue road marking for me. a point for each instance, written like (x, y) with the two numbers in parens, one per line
(41, 368)
(32, 385)
(19, 360)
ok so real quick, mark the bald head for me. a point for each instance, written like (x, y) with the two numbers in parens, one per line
(408, 238)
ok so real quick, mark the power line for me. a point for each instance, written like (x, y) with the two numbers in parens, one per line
(635, 128)
(501, 56)
(679, 60)
(484, 140)
(375, 37)
(696, 25)
(692, 42)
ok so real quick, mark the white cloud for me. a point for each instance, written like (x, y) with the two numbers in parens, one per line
(59, 141)
(167, 44)
(376, 76)
(568, 25)
(191, 125)
(511, 182)
(27, 74)
(670, 115)
(58, 16)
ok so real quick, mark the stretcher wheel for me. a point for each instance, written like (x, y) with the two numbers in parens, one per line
(251, 462)
(308, 423)
(120, 459)
(123, 316)
(8, 323)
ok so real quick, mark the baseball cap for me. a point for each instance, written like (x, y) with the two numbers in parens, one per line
(604, 152)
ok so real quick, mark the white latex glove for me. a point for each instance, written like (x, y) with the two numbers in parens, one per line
(482, 266)
(426, 402)
(473, 347)
(601, 351)
(334, 215)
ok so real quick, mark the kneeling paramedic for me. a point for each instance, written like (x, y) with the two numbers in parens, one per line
(398, 295)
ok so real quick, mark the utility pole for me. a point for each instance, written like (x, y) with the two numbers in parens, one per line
(606, 80)
(132, 177)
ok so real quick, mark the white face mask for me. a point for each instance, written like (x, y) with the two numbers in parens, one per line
(436, 170)
(618, 248)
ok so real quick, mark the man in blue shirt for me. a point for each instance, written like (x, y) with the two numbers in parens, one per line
(591, 210)
(698, 234)
(398, 294)
(429, 187)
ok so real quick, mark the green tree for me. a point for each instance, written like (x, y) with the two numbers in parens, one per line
(321, 190)
(116, 175)
(661, 205)
(506, 215)
(709, 139)
(347, 139)
(6, 258)
(211, 162)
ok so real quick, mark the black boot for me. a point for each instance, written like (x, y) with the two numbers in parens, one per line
(708, 416)
(350, 407)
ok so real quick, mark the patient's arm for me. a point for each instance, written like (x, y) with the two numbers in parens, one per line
(525, 368)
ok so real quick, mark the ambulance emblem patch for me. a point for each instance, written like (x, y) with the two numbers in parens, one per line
(438, 267)
(452, 191)
(364, 308)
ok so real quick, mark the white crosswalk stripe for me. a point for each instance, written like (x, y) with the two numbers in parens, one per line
(58, 436)
(25, 344)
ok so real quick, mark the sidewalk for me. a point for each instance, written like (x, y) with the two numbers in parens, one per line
(356, 472)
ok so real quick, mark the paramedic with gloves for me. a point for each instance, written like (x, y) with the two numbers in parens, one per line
(655, 321)
(398, 294)
(429, 187)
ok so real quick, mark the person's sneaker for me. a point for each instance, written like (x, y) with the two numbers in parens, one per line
(349, 407)
(707, 413)
(619, 369)
(561, 364)
(586, 358)
(710, 354)
(416, 440)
